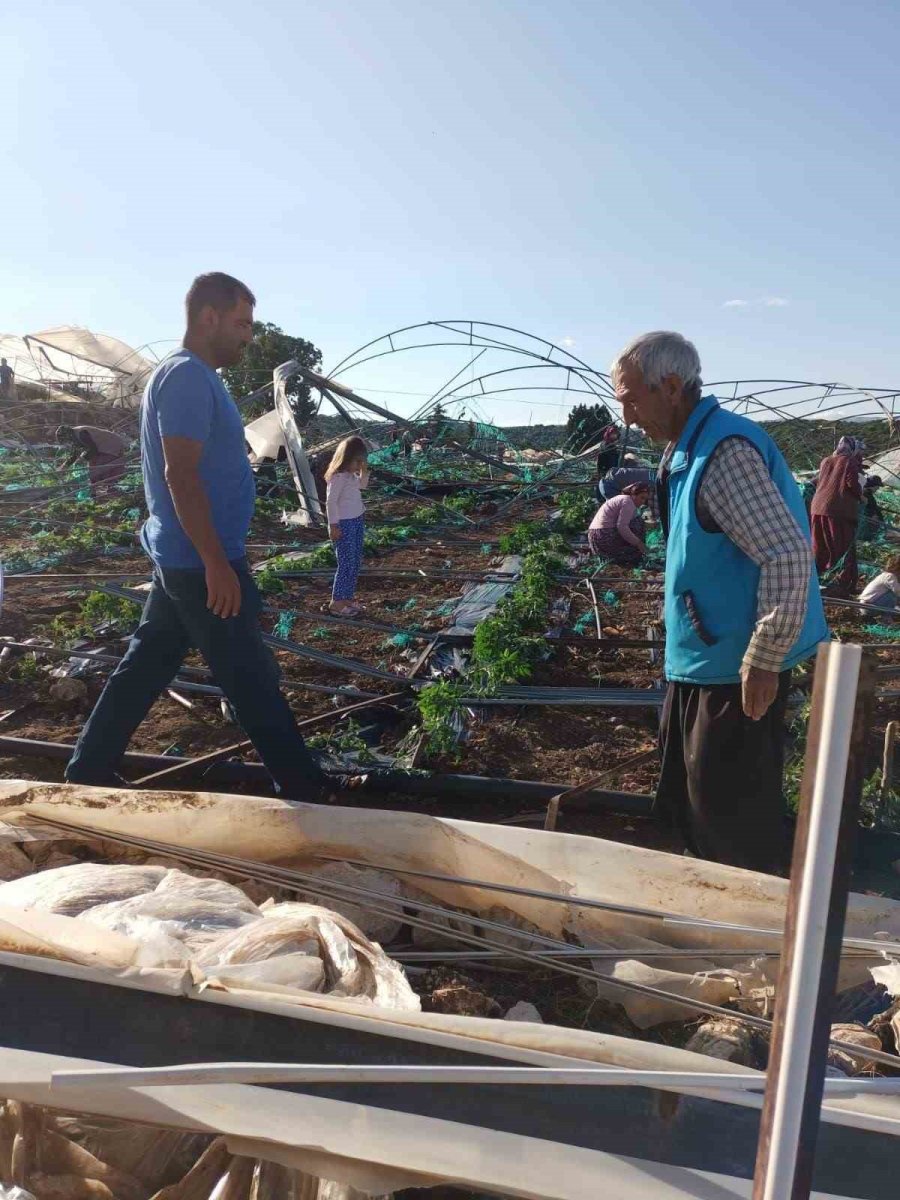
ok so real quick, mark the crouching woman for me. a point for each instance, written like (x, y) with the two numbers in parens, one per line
(617, 530)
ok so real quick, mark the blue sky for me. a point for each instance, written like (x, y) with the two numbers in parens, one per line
(582, 170)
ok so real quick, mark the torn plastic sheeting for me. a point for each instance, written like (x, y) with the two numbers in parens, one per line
(265, 436)
(185, 920)
(310, 508)
(480, 601)
(272, 831)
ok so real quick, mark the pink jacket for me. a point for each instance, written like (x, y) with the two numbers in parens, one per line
(343, 499)
(618, 514)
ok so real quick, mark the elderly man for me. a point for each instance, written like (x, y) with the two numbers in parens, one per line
(742, 606)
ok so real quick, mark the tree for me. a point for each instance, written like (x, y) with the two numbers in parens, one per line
(585, 425)
(271, 347)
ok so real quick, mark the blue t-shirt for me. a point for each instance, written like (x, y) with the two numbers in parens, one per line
(186, 398)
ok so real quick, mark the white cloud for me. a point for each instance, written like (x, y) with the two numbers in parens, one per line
(568, 342)
(765, 302)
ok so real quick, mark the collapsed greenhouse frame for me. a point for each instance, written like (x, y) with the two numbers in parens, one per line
(464, 535)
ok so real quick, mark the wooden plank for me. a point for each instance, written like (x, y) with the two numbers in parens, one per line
(816, 1055)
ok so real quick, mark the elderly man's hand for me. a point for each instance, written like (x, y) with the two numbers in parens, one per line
(758, 691)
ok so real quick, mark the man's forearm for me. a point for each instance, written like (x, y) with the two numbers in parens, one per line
(193, 511)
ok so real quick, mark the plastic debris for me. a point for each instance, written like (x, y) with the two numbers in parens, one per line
(523, 1011)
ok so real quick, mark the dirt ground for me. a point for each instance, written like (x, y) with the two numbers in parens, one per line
(560, 745)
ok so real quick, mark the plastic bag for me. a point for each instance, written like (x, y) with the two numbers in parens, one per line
(70, 891)
(354, 966)
(380, 929)
(184, 919)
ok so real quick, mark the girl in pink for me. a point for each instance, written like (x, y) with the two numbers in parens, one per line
(617, 531)
(346, 475)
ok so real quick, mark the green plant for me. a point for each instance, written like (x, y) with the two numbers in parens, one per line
(269, 582)
(440, 707)
(270, 347)
(26, 670)
(575, 511)
(873, 810)
(98, 609)
(510, 641)
(346, 740)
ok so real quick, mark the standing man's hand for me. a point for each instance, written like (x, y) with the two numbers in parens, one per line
(223, 589)
(758, 691)
(334, 532)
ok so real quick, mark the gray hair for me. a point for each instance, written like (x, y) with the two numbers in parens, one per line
(660, 354)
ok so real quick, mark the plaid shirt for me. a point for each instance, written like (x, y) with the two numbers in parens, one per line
(737, 496)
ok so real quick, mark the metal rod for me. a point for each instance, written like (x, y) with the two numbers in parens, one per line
(630, 910)
(377, 903)
(639, 952)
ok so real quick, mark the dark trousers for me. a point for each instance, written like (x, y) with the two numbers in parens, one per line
(175, 618)
(722, 775)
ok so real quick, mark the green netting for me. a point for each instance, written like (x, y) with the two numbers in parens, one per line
(581, 625)
(284, 626)
(884, 633)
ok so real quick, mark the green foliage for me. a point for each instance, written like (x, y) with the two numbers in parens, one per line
(440, 707)
(576, 510)
(585, 424)
(463, 502)
(509, 642)
(269, 583)
(271, 347)
(98, 610)
(25, 670)
(873, 811)
(425, 514)
(345, 740)
(523, 536)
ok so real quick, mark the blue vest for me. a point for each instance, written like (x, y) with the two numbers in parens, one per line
(711, 586)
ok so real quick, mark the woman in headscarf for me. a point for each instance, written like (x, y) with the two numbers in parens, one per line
(617, 530)
(609, 453)
(835, 515)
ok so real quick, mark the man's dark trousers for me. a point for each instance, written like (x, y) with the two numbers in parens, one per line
(175, 618)
(722, 775)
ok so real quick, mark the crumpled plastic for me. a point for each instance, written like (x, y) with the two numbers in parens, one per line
(214, 929)
(351, 965)
(70, 891)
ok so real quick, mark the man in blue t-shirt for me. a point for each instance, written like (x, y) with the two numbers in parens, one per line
(200, 498)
